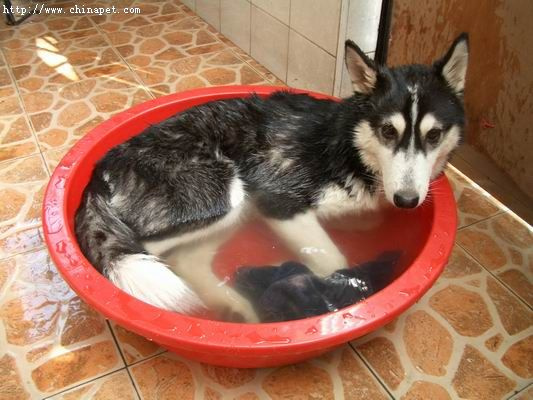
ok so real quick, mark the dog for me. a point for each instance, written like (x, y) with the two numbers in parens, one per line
(293, 159)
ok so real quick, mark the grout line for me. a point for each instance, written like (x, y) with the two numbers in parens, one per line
(117, 53)
(252, 67)
(116, 342)
(19, 97)
(237, 55)
(135, 388)
(43, 246)
(148, 358)
(491, 273)
(498, 213)
(19, 158)
(488, 177)
(372, 372)
(84, 383)
(497, 183)
(271, 15)
(123, 358)
(38, 248)
(514, 396)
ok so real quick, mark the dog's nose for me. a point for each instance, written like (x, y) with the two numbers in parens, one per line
(405, 199)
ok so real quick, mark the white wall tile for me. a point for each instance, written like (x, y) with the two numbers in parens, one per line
(346, 89)
(310, 67)
(209, 10)
(363, 23)
(270, 42)
(277, 8)
(190, 3)
(235, 22)
(317, 20)
(339, 62)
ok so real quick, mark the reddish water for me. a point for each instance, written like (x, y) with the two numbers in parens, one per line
(255, 245)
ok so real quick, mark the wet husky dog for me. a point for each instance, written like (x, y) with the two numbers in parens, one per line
(291, 158)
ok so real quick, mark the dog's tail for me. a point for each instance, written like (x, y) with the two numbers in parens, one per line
(114, 249)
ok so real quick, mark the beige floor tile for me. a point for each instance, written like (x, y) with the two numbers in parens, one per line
(57, 340)
(22, 185)
(268, 75)
(526, 394)
(68, 112)
(473, 203)
(164, 42)
(467, 337)
(117, 386)
(491, 178)
(16, 137)
(52, 157)
(504, 245)
(220, 68)
(12, 387)
(164, 376)
(152, 12)
(134, 348)
(335, 374)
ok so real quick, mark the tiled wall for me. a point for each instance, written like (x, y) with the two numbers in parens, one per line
(300, 41)
(361, 26)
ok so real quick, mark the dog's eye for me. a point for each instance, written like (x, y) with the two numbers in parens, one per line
(433, 135)
(389, 132)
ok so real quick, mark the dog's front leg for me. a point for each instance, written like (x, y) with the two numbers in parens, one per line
(306, 238)
(193, 262)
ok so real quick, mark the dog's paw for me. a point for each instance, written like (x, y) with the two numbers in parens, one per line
(325, 263)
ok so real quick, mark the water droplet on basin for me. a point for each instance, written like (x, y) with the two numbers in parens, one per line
(61, 246)
(409, 291)
(274, 339)
(311, 331)
(347, 315)
(196, 331)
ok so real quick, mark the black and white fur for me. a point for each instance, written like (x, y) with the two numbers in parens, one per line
(291, 158)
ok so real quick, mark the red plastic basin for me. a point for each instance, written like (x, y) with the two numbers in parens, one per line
(431, 229)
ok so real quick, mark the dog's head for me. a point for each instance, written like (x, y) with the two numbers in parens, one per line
(413, 120)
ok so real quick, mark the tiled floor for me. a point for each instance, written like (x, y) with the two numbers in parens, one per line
(470, 337)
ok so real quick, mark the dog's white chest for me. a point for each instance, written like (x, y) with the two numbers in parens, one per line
(335, 201)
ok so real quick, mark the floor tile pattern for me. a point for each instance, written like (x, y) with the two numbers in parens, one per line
(469, 337)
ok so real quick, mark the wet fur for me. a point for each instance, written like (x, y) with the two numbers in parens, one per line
(288, 156)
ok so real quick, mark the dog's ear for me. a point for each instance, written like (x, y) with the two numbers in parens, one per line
(362, 69)
(452, 67)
